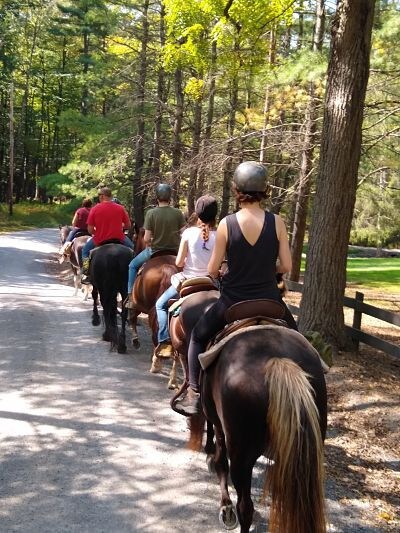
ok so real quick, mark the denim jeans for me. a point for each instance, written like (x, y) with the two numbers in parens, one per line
(134, 266)
(162, 313)
(90, 245)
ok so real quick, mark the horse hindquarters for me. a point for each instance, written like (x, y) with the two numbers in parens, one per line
(295, 444)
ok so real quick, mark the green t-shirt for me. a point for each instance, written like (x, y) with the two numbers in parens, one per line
(165, 224)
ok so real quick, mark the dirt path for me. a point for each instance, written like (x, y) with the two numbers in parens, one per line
(88, 441)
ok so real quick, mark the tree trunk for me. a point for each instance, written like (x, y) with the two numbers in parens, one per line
(264, 135)
(196, 134)
(209, 117)
(306, 165)
(177, 145)
(325, 278)
(228, 170)
(141, 94)
(156, 151)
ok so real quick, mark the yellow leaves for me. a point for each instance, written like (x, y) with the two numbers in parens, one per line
(194, 88)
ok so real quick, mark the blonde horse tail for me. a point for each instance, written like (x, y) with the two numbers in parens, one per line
(296, 480)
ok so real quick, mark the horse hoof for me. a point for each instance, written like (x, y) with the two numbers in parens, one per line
(136, 343)
(121, 349)
(106, 338)
(228, 517)
(173, 385)
(96, 322)
(211, 465)
(156, 365)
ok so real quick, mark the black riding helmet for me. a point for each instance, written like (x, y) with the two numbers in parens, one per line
(206, 208)
(250, 176)
(163, 192)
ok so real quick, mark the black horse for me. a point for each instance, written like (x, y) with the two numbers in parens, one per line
(109, 276)
(265, 394)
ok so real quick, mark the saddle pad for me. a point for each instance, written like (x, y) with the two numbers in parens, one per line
(209, 356)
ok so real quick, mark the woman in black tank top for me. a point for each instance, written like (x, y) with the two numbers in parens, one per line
(253, 241)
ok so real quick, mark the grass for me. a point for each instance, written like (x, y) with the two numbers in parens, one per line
(30, 215)
(375, 273)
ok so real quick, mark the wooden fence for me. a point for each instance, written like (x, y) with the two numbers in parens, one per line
(360, 308)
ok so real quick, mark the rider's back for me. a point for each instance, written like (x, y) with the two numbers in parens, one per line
(108, 219)
(165, 224)
(252, 267)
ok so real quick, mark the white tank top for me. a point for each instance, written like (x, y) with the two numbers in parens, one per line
(199, 253)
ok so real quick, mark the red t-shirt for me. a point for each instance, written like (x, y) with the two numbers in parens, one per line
(108, 218)
(82, 216)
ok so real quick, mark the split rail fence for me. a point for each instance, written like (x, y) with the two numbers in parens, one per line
(360, 308)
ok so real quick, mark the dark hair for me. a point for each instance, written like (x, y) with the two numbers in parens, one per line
(250, 197)
(87, 202)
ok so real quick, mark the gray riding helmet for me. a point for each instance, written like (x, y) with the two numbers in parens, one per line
(163, 192)
(250, 176)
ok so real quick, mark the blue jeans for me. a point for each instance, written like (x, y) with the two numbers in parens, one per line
(162, 313)
(90, 245)
(134, 266)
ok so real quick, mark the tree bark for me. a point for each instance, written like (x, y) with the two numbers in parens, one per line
(156, 152)
(177, 145)
(306, 161)
(196, 136)
(325, 278)
(209, 117)
(141, 95)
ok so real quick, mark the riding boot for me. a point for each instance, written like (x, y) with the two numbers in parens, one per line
(85, 271)
(189, 404)
(129, 303)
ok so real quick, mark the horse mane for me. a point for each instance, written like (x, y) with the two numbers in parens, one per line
(140, 245)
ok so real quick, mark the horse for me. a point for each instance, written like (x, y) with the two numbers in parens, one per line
(75, 257)
(108, 273)
(264, 394)
(151, 282)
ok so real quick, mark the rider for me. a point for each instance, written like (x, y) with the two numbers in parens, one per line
(162, 226)
(79, 224)
(252, 240)
(196, 246)
(106, 222)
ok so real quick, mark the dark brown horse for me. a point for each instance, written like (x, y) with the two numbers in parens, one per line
(75, 259)
(265, 394)
(150, 283)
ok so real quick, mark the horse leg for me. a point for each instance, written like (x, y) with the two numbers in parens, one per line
(122, 334)
(173, 380)
(209, 447)
(76, 282)
(95, 312)
(241, 473)
(227, 513)
(132, 317)
(156, 365)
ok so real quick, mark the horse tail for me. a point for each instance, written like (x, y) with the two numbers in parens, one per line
(295, 481)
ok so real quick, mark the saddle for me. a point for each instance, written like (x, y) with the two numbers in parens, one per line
(251, 313)
(159, 253)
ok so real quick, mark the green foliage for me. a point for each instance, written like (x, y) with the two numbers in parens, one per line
(54, 184)
(30, 215)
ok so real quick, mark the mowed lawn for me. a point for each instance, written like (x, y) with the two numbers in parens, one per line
(375, 273)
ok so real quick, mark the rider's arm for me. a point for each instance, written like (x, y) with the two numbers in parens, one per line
(148, 237)
(75, 219)
(182, 253)
(126, 222)
(284, 255)
(90, 229)
(218, 254)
